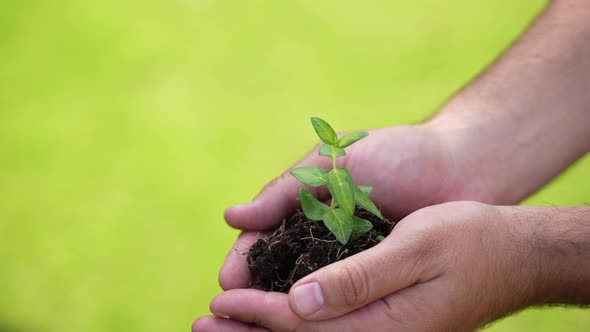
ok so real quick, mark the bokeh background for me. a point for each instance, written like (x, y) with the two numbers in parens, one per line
(126, 128)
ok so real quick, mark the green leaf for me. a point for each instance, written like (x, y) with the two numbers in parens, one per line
(363, 201)
(348, 139)
(342, 189)
(339, 222)
(360, 226)
(366, 190)
(326, 151)
(311, 175)
(324, 131)
(312, 208)
(380, 238)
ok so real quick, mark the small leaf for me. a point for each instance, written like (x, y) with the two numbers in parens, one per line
(312, 208)
(339, 222)
(363, 201)
(360, 226)
(348, 139)
(324, 131)
(365, 190)
(326, 151)
(342, 189)
(311, 175)
(380, 238)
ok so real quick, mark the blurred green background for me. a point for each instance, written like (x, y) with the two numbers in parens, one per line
(126, 128)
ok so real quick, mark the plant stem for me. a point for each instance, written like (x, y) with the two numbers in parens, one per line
(333, 204)
(333, 157)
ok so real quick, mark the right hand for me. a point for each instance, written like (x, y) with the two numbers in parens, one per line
(409, 167)
(448, 267)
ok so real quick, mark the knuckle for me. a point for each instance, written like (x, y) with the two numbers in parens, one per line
(426, 244)
(353, 284)
(421, 255)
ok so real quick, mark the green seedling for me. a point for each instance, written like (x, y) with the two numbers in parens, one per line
(339, 216)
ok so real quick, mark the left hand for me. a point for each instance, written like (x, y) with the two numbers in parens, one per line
(449, 267)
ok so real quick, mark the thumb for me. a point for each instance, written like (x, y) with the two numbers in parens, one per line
(276, 201)
(347, 285)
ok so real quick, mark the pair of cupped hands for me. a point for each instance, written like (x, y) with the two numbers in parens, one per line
(451, 264)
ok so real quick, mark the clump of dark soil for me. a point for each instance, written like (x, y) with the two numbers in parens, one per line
(301, 246)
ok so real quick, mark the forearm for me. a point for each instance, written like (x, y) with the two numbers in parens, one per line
(526, 118)
(555, 245)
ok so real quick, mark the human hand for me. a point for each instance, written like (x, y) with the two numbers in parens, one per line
(409, 167)
(450, 267)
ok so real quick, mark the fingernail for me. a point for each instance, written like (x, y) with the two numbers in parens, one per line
(221, 314)
(309, 298)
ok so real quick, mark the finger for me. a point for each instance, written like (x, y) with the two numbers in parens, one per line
(276, 201)
(347, 285)
(272, 311)
(220, 324)
(234, 272)
(268, 309)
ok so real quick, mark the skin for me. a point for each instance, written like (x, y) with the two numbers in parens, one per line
(509, 132)
(426, 277)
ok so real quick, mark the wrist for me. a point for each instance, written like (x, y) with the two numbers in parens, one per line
(553, 245)
(506, 153)
(481, 150)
